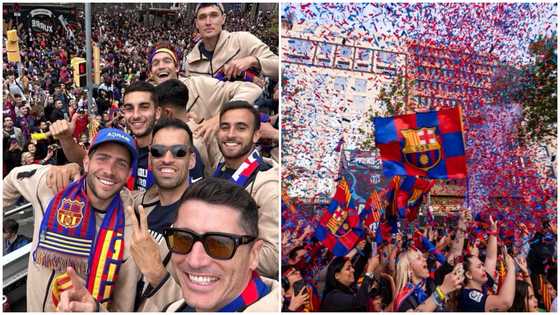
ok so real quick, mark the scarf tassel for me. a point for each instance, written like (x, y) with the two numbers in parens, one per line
(60, 262)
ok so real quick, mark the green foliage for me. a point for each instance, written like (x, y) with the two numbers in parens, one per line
(393, 96)
(538, 93)
(391, 101)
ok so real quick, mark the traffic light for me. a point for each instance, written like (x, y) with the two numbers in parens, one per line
(80, 71)
(12, 46)
(96, 65)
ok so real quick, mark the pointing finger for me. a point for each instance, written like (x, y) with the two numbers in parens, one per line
(77, 282)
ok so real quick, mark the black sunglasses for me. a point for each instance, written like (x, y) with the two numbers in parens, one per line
(220, 246)
(178, 150)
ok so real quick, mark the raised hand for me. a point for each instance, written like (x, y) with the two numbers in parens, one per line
(77, 298)
(298, 299)
(144, 250)
(207, 128)
(58, 177)
(453, 280)
(63, 129)
(493, 225)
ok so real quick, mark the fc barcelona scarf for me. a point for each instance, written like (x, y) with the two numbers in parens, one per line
(253, 292)
(243, 175)
(68, 238)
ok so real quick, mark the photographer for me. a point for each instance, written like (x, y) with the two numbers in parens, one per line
(342, 293)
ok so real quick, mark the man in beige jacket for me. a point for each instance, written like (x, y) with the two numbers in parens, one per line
(59, 248)
(216, 259)
(225, 53)
(243, 165)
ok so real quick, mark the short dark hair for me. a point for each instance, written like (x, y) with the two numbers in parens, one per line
(217, 191)
(173, 123)
(10, 226)
(142, 86)
(208, 4)
(293, 252)
(173, 93)
(243, 105)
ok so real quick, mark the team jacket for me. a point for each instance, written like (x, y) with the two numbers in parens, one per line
(232, 46)
(206, 97)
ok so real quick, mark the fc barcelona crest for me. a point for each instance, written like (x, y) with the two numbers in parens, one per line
(421, 149)
(337, 223)
(70, 214)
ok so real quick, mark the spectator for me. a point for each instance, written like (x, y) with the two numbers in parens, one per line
(524, 300)
(340, 293)
(13, 240)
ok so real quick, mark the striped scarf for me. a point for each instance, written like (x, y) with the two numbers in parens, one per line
(244, 173)
(253, 292)
(547, 298)
(68, 238)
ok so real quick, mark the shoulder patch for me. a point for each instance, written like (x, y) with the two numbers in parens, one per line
(23, 175)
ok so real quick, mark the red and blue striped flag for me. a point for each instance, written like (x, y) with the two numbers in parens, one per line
(372, 209)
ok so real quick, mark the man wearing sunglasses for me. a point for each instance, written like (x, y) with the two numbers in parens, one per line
(171, 158)
(244, 166)
(215, 244)
(220, 53)
(172, 96)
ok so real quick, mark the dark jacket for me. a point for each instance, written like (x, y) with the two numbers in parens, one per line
(345, 299)
(19, 242)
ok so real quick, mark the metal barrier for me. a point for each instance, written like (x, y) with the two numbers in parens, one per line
(16, 210)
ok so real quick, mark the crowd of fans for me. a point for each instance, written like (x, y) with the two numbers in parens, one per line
(45, 90)
(462, 266)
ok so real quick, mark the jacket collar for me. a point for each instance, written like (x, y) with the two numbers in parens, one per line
(195, 54)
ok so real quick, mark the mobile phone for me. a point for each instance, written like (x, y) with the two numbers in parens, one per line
(298, 286)
(504, 250)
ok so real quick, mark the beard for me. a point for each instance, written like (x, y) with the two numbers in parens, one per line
(148, 131)
(104, 196)
(246, 148)
(164, 185)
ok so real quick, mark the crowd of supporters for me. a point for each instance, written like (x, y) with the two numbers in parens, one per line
(463, 265)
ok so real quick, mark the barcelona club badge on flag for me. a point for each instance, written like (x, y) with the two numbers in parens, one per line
(340, 227)
(424, 144)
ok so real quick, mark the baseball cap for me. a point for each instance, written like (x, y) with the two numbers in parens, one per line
(116, 136)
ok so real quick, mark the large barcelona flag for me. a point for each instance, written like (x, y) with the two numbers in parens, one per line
(426, 144)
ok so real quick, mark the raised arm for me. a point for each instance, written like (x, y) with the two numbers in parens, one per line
(62, 130)
(492, 248)
(503, 301)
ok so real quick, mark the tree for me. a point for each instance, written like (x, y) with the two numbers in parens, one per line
(390, 101)
(538, 93)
